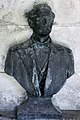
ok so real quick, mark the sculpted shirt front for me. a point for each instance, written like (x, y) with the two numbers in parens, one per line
(41, 68)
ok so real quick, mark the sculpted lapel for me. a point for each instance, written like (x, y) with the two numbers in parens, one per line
(57, 67)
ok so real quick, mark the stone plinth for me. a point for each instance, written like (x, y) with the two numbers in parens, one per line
(38, 108)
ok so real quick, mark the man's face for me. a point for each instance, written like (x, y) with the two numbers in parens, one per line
(43, 23)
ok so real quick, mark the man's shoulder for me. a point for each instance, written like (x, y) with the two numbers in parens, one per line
(20, 46)
(58, 48)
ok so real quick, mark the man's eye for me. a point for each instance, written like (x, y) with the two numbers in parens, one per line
(39, 21)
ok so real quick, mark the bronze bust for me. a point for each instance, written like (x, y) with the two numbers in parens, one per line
(40, 65)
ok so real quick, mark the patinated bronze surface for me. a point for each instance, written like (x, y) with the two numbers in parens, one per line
(40, 65)
(39, 60)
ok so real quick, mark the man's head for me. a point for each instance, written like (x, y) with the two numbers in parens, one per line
(40, 19)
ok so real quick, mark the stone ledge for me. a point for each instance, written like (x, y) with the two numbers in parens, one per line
(8, 114)
(71, 114)
(67, 115)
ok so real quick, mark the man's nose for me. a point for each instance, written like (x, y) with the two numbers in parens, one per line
(44, 21)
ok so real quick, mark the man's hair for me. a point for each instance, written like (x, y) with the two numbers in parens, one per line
(31, 15)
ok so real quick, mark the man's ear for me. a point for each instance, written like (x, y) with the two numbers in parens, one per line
(53, 15)
(31, 24)
(26, 14)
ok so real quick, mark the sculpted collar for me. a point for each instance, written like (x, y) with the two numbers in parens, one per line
(40, 40)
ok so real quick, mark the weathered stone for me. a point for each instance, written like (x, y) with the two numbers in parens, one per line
(4, 118)
(69, 36)
(11, 93)
(10, 35)
(68, 98)
(11, 12)
(67, 12)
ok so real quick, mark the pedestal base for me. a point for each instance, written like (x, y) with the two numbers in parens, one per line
(38, 108)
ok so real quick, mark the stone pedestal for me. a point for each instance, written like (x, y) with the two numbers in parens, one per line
(38, 108)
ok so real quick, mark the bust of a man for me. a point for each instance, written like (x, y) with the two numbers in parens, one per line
(38, 64)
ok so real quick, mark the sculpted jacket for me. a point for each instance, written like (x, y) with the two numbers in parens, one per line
(57, 65)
